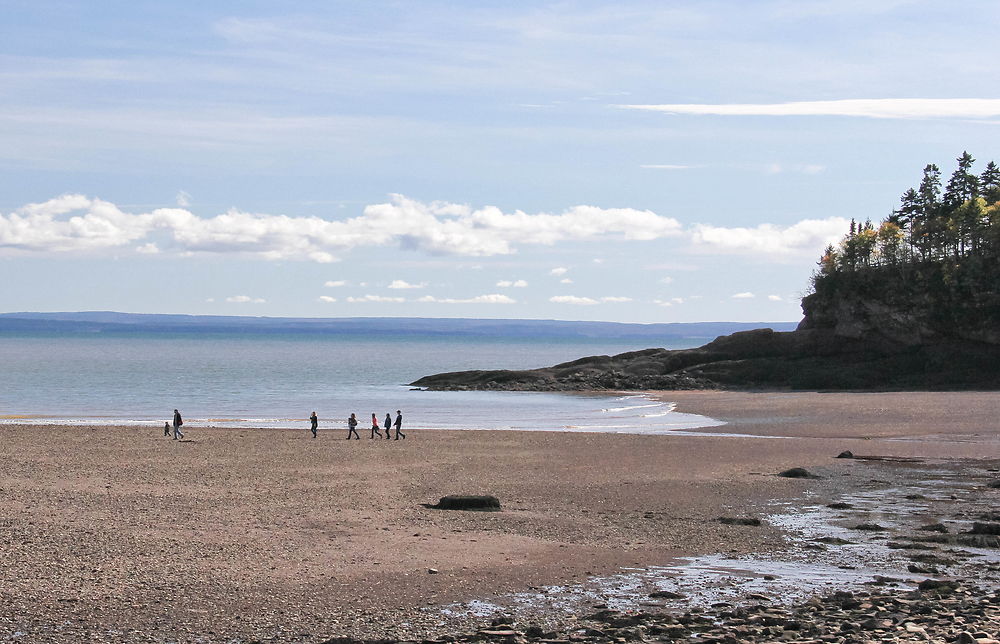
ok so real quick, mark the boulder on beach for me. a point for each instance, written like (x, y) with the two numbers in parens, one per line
(846, 454)
(480, 503)
(797, 473)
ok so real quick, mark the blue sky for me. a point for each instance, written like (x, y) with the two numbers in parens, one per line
(634, 162)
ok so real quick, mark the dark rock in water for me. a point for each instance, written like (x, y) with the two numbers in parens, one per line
(909, 546)
(938, 585)
(922, 570)
(484, 503)
(931, 559)
(846, 454)
(934, 527)
(666, 594)
(739, 521)
(914, 497)
(995, 484)
(840, 506)
(797, 473)
(869, 527)
(985, 528)
(833, 541)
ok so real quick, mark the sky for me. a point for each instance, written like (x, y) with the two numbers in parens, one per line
(666, 161)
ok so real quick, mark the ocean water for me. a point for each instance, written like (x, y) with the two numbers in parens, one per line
(275, 381)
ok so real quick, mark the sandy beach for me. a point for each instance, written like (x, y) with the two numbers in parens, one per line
(119, 534)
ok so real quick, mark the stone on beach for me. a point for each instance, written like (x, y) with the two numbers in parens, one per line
(797, 473)
(481, 503)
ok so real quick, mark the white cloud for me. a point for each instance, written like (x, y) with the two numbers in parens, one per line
(492, 298)
(616, 299)
(183, 199)
(78, 223)
(560, 270)
(565, 280)
(404, 284)
(779, 168)
(746, 295)
(670, 302)
(335, 283)
(768, 240)
(775, 298)
(376, 298)
(512, 284)
(666, 280)
(147, 249)
(327, 298)
(245, 299)
(884, 108)
(572, 299)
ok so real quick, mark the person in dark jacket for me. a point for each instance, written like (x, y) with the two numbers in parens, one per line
(314, 423)
(387, 424)
(178, 421)
(166, 429)
(352, 425)
(399, 424)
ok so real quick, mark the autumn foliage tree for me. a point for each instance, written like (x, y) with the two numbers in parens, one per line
(930, 225)
(940, 248)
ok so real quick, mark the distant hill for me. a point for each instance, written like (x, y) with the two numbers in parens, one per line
(113, 322)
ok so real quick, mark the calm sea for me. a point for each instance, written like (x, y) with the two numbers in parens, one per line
(252, 380)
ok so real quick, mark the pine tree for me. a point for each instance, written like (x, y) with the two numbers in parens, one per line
(989, 183)
(927, 228)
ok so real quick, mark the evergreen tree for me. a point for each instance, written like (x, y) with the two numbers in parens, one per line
(989, 183)
(927, 227)
(963, 185)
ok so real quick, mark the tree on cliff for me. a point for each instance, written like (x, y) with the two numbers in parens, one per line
(929, 226)
(940, 248)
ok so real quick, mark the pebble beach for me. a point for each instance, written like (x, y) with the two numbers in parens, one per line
(240, 535)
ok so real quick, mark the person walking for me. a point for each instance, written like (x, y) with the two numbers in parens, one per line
(166, 429)
(388, 425)
(314, 423)
(352, 427)
(399, 424)
(375, 427)
(178, 421)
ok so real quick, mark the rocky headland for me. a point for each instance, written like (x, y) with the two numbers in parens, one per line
(845, 357)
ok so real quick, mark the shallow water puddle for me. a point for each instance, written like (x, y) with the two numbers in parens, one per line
(826, 554)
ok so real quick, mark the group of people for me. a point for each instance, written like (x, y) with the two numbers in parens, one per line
(352, 426)
(178, 421)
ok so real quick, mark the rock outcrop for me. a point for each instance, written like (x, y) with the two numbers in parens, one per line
(809, 358)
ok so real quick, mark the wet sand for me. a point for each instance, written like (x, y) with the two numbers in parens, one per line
(119, 534)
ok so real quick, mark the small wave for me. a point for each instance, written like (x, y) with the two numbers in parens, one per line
(630, 408)
(662, 413)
